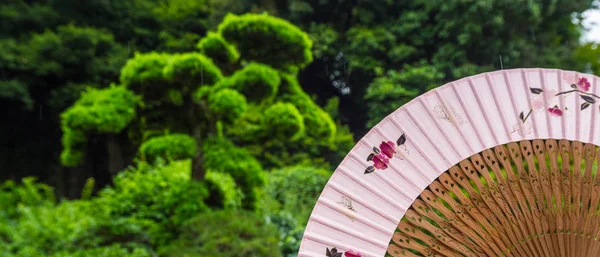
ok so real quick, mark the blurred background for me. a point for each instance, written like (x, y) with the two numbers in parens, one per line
(209, 127)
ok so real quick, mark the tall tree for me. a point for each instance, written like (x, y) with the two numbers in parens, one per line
(177, 106)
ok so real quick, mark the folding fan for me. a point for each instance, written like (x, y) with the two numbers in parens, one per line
(497, 164)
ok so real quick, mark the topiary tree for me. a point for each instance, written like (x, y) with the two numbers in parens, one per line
(234, 122)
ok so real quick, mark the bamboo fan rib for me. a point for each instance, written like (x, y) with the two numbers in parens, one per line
(531, 198)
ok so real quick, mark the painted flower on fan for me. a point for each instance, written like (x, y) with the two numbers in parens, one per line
(544, 99)
(382, 156)
(333, 252)
(571, 78)
(555, 111)
(523, 128)
(583, 84)
(352, 253)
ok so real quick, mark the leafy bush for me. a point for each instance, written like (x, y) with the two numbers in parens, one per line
(220, 51)
(168, 147)
(297, 189)
(226, 234)
(158, 199)
(144, 72)
(227, 104)
(318, 123)
(191, 70)
(284, 121)
(97, 111)
(256, 81)
(222, 156)
(266, 39)
(223, 192)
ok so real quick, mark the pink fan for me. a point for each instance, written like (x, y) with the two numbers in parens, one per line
(498, 164)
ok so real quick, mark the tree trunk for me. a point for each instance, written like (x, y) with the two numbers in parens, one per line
(115, 155)
(198, 171)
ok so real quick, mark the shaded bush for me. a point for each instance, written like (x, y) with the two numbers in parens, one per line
(191, 70)
(227, 104)
(97, 111)
(168, 147)
(225, 234)
(158, 199)
(266, 39)
(222, 156)
(284, 121)
(223, 192)
(216, 48)
(256, 81)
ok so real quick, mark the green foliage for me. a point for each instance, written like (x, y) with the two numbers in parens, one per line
(284, 121)
(75, 52)
(216, 48)
(266, 39)
(191, 70)
(144, 72)
(227, 104)
(157, 199)
(293, 192)
(16, 91)
(28, 193)
(97, 111)
(318, 123)
(220, 155)
(223, 191)
(296, 189)
(256, 81)
(226, 234)
(386, 94)
(168, 147)
(114, 250)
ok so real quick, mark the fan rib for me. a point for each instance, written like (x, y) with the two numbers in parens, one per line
(527, 198)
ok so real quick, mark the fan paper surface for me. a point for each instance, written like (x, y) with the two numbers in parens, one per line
(387, 177)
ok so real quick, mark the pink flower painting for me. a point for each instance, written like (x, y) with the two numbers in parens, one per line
(382, 156)
(547, 101)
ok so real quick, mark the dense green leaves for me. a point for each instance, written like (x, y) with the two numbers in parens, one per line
(284, 121)
(168, 147)
(222, 156)
(255, 36)
(216, 48)
(227, 104)
(256, 81)
(144, 72)
(387, 93)
(226, 234)
(191, 70)
(97, 111)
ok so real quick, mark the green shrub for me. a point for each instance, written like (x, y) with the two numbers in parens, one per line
(284, 121)
(297, 189)
(290, 232)
(223, 192)
(107, 110)
(226, 234)
(318, 123)
(266, 39)
(158, 199)
(168, 147)
(256, 81)
(115, 250)
(144, 72)
(223, 156)
(191, 70)
(214, 46)
(227, 104)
